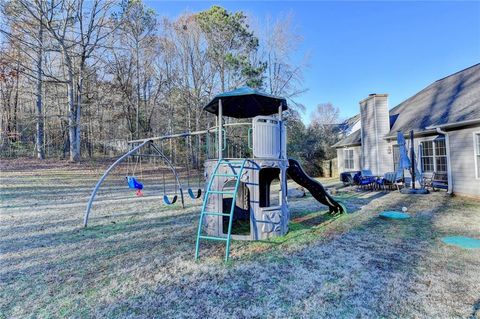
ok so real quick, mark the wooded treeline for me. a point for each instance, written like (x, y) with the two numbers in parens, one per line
(78, 78)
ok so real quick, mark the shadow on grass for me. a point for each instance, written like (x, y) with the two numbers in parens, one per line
(49, 240)
(308, 225)
(354, 274)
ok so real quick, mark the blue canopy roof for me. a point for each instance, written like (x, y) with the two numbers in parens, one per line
(246, 102)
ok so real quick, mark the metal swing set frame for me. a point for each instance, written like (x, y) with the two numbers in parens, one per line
(137, 145)
(141, 143)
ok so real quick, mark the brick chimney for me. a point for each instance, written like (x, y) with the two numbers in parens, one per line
(375, 121)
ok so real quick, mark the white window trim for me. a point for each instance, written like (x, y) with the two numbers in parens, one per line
(395, 163)
(476, 152)
(434, 162)
(434, 156)
(345, 150)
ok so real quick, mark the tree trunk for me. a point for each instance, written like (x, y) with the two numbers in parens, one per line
(15, 104)
(78, 111)
(138, 90)
(40, 147)
(72, 114)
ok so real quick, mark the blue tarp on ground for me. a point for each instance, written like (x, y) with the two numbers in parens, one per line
(394, 215)
(462, 242)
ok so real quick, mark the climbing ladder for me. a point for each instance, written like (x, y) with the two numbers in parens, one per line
(239, 165)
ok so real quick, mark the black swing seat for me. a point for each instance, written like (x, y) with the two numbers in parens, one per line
(167, 200)
(195, 195)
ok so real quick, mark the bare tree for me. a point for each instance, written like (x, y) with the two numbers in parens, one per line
(284, 76)
(87, 74)
(136, 36)
(78, 27)
(26, 35)
(325, 121)
(326, 114)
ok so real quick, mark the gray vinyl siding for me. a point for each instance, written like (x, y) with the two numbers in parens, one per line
(462, 154)
(375, 126)
(356, 159)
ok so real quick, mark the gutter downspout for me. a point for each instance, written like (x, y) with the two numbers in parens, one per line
(449, 162)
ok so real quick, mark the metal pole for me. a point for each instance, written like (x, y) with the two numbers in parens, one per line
(412, 155)
(220, 130)
(166, 137)
(280, 130)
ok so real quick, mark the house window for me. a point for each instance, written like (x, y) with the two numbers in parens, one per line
(434, 156)
(440, 156)
(427, 156)
(396, 157)
(477, 153)
(348, 159)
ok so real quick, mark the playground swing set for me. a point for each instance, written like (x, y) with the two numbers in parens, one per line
(134, 180)
(238, 170)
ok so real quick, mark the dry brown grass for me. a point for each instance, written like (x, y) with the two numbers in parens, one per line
(136, 258)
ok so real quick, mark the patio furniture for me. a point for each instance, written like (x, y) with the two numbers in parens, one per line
(347, 178)
(389, 180)
(365, 179)
(427, 179)
(439, 181)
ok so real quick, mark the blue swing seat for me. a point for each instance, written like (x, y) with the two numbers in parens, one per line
(133, 183)
(193, 195)
(167, 200)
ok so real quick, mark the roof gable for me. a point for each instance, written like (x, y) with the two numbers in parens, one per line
(454, 98)
(351, 140)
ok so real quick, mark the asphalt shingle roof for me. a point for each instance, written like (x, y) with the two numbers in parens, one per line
(353, 139)
(455, 98)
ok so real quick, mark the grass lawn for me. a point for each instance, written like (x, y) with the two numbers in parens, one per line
(135, 259)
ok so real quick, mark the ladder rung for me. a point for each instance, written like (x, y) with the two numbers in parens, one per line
(220, 192)
(216, 214)
(227, 239)
(213, 238)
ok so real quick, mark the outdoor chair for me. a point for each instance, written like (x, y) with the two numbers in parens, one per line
(389, 180)
(348, 178)
(386, 180)
(427, 180)
(365, 179)
(439, 181)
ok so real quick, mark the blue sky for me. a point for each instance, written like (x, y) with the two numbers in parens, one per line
(358, 48)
